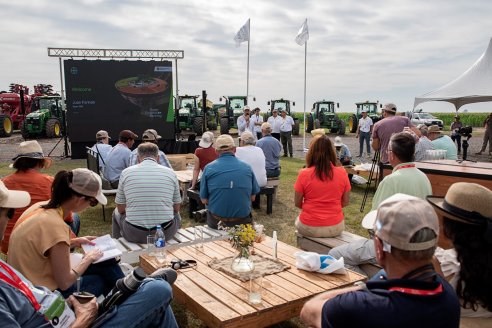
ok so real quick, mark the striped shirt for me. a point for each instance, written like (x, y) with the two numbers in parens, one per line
(149, 191)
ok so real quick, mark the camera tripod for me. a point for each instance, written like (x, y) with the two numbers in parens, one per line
(464, 145)
(373, 176)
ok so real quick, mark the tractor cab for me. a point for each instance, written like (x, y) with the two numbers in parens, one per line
(229, 113)
(324, 111)
(323, 115)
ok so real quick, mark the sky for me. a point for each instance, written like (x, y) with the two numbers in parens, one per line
(376, 50)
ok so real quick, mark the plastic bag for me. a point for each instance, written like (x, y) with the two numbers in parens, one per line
(314, 262)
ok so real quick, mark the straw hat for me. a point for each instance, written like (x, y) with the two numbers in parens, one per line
(151, 135)
(13, 198)
(433, 129)
(31, 149)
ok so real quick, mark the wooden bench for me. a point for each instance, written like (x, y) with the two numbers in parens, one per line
(324, 245)
(273, 182)
(183, 237)
(195, 202)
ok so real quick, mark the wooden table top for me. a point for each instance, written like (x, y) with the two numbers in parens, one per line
(222, 301)
(184, 175)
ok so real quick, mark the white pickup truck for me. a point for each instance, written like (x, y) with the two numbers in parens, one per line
(424, 118)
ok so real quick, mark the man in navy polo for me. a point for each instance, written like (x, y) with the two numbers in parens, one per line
(409, 292)
(227, 187)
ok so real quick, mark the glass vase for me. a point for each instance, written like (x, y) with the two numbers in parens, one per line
(242, 262)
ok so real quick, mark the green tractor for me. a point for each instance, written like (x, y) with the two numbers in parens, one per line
(323, 116)
(281, 104)
(229, 112)
(372, 112)
(190, 115)
(47, 118)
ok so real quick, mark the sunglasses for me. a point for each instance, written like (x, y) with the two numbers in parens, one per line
(92, 201)
(10, 212)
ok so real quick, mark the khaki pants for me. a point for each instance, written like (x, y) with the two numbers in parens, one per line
(319, 232)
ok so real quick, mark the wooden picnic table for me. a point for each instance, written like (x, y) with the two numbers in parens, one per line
(222, 301)
(184, 179)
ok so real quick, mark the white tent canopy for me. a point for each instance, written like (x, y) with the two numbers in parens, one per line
(474, 85)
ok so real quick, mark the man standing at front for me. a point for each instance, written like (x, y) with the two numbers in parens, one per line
(257, 120)
(271, 148)
(409, 293)
(275, 121)
(119, 157)
(148, 196)
(286, 132)
(384, 129)
(364, 130)
(227, 187)
(244, 122)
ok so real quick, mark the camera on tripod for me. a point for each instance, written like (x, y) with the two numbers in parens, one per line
(465, 131)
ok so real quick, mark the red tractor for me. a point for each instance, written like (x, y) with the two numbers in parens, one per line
(14, 106)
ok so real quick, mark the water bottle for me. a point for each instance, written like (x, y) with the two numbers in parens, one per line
(160, 244)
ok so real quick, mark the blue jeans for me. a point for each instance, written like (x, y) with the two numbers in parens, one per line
(273, 173)
(148, 307)
(98, 279)
(75, 224)
(364, 136)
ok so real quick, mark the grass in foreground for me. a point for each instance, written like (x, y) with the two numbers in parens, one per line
(281, 220)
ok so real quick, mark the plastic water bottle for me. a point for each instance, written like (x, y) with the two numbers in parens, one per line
(160, 244)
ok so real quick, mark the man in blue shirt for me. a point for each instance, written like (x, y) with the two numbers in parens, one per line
(119, 157)
(227, 187)
(271, 148)
(409, 293)
(151, 135)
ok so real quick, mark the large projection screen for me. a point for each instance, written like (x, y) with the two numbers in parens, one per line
(115, 95)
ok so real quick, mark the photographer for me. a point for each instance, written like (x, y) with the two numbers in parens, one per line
(147, 307)
(455, 135)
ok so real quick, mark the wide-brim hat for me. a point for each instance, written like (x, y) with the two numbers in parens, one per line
(465, 202)
(31, 149)
(13, 198)
(434, 129)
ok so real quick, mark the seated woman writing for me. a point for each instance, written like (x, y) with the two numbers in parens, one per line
(321, 191)
(40, 241)
(465, 240)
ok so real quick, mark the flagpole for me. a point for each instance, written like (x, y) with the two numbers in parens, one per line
(247, 69)
(305, 70)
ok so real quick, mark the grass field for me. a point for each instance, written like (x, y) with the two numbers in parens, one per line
(282, 219)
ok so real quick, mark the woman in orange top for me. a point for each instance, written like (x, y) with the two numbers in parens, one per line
(28, 163)
(321, 191)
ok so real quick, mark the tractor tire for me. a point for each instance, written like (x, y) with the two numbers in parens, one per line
(341, 130)
(317, 124)
(53, 128)
(295, 128)
(24, 131)
(6, 126)
(353, 123)
(310, 124)
(212, 125)
(198, 125)
(224, 125)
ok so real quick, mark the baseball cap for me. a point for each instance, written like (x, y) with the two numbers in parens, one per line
(150, 134)
(207, 139)
(13, 198)
(246, 108)
(389, 107)
(399, 217)
(247, 137)
(338, 142)
(128, 134)
(224, 142)
(102, 134)
(364, 110)
(88, 183)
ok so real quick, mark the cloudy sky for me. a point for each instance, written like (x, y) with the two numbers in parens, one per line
(383, 50)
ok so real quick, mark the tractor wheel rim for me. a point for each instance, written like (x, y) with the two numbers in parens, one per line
(7, 125)
(57, 129)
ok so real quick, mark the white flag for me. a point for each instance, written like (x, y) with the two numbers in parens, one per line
(243, 34)
(303, 34)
